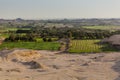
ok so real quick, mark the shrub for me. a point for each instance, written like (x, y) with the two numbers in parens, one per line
(44, 39)
(49, 40)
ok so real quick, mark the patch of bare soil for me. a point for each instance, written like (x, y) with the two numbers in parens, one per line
(21, 64)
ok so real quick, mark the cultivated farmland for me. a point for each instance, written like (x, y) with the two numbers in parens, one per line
(88, 46)
(31, 45)
(111, 28)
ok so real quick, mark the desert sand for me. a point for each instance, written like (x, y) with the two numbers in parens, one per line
(22, 64)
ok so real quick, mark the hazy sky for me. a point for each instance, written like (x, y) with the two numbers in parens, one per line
(37, 9)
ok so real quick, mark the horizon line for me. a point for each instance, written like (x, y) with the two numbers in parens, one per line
(52, 18)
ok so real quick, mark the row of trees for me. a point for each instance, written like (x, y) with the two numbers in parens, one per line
(18, 37)
(76, 33)
(28, 37)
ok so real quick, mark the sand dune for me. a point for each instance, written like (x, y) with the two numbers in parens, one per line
(23, 64)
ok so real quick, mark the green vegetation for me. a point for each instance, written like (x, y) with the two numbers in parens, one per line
(5, 35)
(103, 27)
(5, 29)
(88, 46)
(42, 35)
(5, 32)
(42, 38)
(31, 45)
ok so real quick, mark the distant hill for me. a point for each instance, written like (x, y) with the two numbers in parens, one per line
(71, 22)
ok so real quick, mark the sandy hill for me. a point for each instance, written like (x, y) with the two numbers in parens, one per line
(21, 64)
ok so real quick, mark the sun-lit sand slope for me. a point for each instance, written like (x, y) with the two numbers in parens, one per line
(23, 64)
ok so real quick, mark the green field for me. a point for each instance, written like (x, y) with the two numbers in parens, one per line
(88, 46)
(4, 32)
(103, 27)
(31, 45)
(4, 29)
(4, 35)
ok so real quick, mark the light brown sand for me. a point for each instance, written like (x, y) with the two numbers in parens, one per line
(101, 66)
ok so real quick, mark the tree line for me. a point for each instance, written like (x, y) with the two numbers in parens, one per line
(47, 33)
(74, 33)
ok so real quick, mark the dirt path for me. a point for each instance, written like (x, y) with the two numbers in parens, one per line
(65, 44)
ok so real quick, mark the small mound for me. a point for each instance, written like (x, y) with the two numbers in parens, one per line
(22, 55)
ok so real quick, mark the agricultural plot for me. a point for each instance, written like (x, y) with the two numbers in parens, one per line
(31, 45)
(5, 32)
(103, 27)
(4, 35)
(4, 29)
(88, 46)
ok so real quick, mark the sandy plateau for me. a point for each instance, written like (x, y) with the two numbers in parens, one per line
(22, 64)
